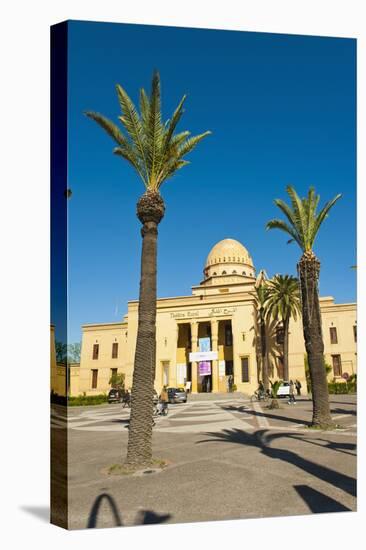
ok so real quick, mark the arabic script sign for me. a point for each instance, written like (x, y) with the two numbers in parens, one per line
(194, 314)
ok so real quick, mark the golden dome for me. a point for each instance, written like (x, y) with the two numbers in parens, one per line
(228, 250)
(229, 257)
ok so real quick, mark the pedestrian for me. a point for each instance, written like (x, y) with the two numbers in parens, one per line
(298, 387)
(292, 399)
(163, 398)
(231, 381)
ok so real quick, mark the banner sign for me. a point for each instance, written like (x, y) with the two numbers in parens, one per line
(204, 344)
(203, 356)
(181, 373)
(221, 368)
(204, 368)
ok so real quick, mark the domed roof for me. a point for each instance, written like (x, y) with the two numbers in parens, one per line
(229, 251)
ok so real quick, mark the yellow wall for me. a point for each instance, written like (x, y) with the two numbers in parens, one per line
(171, 344)
(104, 335)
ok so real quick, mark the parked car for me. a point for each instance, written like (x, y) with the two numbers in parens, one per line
(114, 396)
(177, 395)
(284, 390)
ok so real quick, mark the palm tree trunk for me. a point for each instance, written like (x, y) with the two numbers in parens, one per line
(286, 373)
(264, 352)
(309, 267)
(139, 450)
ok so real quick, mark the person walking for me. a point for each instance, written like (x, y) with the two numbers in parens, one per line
(298, 387)
(292, 399)
(163, 398)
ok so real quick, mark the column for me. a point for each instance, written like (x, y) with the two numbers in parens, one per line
(194, 342)
(214, 346)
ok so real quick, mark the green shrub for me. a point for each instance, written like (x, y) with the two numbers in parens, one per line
(342, 388)
(88, 400)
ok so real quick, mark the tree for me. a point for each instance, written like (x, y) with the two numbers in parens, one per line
(61, 352)
(117, 380)
(275, 386)
(260, 297)
(328, 370)
(73, 352)
(156, 153)
(283, 302)
(303, 224)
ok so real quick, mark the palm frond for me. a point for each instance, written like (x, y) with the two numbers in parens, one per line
(144, 108)
(322, 215)
(298, 213)
(155, 132)
(110, 127)
(290, 215)
(283, 226)
(191, 143)
(129, 155)
(132, 123)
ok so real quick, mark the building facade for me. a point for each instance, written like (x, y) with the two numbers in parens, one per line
(211, 336)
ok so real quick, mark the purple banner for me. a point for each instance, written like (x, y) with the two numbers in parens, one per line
(204, 368)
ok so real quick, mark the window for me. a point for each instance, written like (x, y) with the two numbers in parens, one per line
(245, 369)
(95, 351)
(234, 272)
(228, 335)
(229, 368)
(355, 332)
(244, 273)
(94, 379)
(337, 365)
(224, 272)
(114, 350)
(114, 373)
(333, 335)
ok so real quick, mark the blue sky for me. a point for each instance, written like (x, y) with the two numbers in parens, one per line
(281, 109)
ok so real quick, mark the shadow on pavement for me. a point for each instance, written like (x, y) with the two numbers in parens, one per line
(342, 411)
(319, 502)
(268, 415)
(144, 517)
(93, 516)
(262, 440)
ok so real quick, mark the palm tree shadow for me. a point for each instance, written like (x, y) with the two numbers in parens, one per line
(319, 502)
(148, 517)
(262, 440)
(144, 517)
(94, 512)
(267, 415)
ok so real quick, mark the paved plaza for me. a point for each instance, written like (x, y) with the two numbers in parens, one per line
(227, 458)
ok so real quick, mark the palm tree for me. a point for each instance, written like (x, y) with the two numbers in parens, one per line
(156, 153)
(303, 227)
(260, 297)
(283, 302)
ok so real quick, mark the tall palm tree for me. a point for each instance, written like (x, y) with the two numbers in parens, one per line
(260, 297)
(283, 302)
(303, 224)
(156, 153)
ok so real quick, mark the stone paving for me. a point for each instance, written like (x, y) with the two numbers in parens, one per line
(228, 458)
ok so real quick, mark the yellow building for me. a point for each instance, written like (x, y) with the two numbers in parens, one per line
(211, 335)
